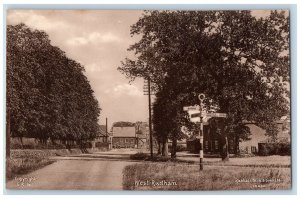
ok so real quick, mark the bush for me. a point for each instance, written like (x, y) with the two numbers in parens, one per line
(102, 144)
(275, 148)
(181, 148)
(34, 154)
(139, 156)
(16, 146)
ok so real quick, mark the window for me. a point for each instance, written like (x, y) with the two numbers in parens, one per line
(216, 144)
(253, 149)
(231, 145)
(206, 145)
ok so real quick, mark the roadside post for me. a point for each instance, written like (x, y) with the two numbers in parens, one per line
(199, 112)
(201, 97)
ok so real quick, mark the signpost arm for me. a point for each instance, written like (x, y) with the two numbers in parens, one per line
(201, 97)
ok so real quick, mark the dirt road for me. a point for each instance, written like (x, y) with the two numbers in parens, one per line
(97, 171)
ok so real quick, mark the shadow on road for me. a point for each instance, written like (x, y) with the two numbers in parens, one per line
(97, 157)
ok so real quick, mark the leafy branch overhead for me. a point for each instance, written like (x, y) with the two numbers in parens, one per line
(240, 61)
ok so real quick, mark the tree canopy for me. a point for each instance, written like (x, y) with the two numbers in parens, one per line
(48, 94)
(239, 61)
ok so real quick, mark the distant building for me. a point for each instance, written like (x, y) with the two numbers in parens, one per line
(211, 142)
(131, 136)
(124, 137)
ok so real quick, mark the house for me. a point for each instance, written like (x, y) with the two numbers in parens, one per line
(211, 142)
(258, 136)
(124, 137)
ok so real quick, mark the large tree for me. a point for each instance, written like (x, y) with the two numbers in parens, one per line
(48, 95)
(240, 62)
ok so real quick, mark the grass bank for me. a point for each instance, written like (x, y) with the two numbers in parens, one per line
(25, 161)
(175, 176)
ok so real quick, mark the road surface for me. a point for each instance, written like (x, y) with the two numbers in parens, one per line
(97, 171)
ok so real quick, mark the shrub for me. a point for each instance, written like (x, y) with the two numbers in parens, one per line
(139, 156)
(275, 148)
(102, 144)
(16, 146)
(181, 148)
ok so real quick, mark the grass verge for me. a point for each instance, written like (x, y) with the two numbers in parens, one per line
(157, 158)
(23, 162)
(172, 176)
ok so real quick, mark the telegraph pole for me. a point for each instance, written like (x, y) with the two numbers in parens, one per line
(106, 130)
(147, 91)
(201, 98)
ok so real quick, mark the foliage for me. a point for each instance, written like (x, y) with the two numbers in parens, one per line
(48, 94)
(240, 62)
(282, 148)
(139, 156)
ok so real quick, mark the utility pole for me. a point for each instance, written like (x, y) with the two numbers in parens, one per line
(147, 91)
(106, 129)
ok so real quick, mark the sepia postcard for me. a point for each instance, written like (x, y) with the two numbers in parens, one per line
(148, 100)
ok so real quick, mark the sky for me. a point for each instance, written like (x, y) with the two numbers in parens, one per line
(98, 39)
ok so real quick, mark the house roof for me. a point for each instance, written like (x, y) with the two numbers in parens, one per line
(124, 131)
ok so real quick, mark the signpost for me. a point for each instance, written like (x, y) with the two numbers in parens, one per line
(201, 98)
(202, 114)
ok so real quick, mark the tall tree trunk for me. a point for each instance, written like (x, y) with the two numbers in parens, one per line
(8, 133)
(158, 147)
(174, 146)
(224, 149)
(237, 145)
(165, 148)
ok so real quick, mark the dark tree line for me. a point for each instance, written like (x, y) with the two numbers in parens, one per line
(48, 95)
(239, 61)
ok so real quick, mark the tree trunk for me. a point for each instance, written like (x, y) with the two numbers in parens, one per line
(237, 145)
(165, 148)
(224, 149)
(21, 141)
(8, 133)
(158, 147)
(174, 146)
